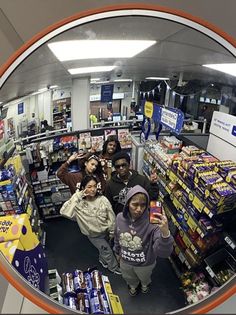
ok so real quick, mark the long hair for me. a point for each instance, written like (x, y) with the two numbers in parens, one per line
(111, 138)
(89, 157)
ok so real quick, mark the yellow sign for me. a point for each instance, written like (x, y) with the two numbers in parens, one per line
(148, 109)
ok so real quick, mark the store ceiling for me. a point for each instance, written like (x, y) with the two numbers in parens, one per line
(179, 50)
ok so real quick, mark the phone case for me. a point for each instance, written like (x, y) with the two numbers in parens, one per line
(155, 207)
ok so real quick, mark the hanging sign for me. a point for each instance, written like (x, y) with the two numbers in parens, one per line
(20, 108)
(172, 118)
(107, 93)
(148, 109)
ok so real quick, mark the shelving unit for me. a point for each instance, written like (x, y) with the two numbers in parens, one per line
(61, 113)
(198, 229)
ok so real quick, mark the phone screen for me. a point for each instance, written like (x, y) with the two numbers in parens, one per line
(155, 207)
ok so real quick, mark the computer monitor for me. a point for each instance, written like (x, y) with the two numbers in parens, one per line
(139, 116)
(116, 117)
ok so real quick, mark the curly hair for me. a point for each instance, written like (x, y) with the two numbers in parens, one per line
(111, 138)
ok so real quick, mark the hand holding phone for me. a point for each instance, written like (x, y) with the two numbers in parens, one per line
(155, 211)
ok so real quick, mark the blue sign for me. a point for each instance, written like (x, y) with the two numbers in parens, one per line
(107, 93)
(20, 108)
(172, 118)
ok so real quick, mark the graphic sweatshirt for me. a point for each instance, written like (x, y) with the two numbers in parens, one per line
(139, 242)
(93, 217)
(116, 190)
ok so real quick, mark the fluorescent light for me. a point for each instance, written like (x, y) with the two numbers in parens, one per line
(53, 86)
(101, 82)
(122, 80)
(93, 49)
(94, 79)
(157, 78)
(229, 68)
(91, 69)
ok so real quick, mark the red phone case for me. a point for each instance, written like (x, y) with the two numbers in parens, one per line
(155, 207)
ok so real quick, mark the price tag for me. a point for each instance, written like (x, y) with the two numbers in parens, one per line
(181, 257)
(230, 242)
(210, 271)
(198, 204)
(191, 197)
(186, 241)
(192, 224)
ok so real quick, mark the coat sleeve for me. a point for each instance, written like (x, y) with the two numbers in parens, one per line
(62, 173)
(108, 194)
(111, 217)
(116, 247)
(68, 208)
(162, 247)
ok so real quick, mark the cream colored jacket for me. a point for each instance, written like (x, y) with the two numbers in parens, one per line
(93, 217)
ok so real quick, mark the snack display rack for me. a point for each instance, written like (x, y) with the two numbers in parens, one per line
(197, 192)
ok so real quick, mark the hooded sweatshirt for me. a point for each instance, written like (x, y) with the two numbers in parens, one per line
(138, 242)
(116, 190)
(94, 218)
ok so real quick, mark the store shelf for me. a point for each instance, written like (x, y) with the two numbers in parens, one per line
(187, 241)
(181, 256)
(191, 221)
(195, 200)
(153, 159)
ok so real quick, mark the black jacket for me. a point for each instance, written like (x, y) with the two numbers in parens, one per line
(116, 189)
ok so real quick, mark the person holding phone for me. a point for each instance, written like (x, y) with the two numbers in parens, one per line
(138, 243)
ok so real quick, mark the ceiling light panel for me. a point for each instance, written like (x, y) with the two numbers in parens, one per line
(229, 68)
(94, 49)
(157, 78)
(91, 69)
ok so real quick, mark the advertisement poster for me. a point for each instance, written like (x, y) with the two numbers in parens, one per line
(107, 93)
(20, 108)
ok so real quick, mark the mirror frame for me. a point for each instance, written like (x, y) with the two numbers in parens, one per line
(218, 35)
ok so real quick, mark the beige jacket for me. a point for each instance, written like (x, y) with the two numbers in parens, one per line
(93, 217)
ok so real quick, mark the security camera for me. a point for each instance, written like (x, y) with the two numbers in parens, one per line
(119, 73)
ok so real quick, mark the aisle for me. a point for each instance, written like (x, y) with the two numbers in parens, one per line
(67, 249)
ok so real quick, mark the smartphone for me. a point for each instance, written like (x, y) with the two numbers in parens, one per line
(155, 207)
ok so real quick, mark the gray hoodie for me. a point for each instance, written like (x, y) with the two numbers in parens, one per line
(139, 242)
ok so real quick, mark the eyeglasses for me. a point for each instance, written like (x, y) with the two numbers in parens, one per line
(117, 166)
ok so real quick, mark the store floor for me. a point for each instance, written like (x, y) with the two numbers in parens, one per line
(67, 249)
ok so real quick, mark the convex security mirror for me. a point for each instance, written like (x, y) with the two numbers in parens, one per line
(148, 49)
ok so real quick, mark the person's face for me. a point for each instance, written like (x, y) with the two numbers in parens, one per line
(91, 188)
(137, 205)
(111, 147)
(91, 166)
(122, 167)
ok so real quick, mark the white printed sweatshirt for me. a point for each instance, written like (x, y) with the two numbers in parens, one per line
(94, 218)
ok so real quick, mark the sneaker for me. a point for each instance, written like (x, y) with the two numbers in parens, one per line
(116, 271)
(105, 265)
(145, 288)
(132, 291)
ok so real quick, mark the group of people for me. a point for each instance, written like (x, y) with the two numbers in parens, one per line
(110, 203)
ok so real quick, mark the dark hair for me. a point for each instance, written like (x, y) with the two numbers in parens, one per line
(89, 157)
(120, 155)
(86, 180)
(111, 138)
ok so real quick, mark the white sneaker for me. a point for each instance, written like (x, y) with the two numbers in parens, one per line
(116, 271)
(105, 265)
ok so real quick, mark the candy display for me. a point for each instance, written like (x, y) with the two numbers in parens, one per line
(85, 291)
(195, 187)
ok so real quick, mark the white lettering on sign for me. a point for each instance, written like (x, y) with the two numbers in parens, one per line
(169, 118)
